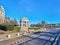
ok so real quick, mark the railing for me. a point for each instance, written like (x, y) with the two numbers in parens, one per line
(56, 40)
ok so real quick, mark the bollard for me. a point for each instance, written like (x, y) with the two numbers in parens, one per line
(18, 34)
(9, 35)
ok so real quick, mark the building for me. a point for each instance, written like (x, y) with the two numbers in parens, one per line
(3, 19)
(7, 20)
(35, 25)
(2, 15)
(24, 24)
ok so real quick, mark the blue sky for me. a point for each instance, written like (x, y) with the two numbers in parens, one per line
(34, 10)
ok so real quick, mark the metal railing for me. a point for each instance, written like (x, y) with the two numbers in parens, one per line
(56, 40)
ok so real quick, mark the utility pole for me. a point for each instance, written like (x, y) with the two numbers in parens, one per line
(50, 21)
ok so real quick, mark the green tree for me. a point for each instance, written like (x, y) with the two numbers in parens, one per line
(43, 23)
(14, 22)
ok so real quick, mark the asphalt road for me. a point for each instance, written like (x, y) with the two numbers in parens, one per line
(42, 38)
(37, 38)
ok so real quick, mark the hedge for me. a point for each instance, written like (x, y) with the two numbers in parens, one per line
(6, 27)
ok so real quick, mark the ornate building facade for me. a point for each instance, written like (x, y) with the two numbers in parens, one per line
(3, 19)
(2, 15)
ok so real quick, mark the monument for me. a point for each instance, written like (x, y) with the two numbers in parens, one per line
(24, 24)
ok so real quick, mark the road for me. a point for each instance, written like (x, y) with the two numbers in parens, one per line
(37, 38)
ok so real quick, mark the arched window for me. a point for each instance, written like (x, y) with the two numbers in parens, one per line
(24, 23)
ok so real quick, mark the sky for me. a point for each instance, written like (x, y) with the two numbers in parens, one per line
(35, 10)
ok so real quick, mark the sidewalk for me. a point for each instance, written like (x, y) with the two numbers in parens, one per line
(12, 35)
(5, 36)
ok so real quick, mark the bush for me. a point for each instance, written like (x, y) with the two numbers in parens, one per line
(6, 27)
(10, 27)
(17, 29)
(35, 28)
(3, 27)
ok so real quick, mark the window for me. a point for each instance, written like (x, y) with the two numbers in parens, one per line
(24, 23)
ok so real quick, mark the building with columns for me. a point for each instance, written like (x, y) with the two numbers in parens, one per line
(24, 24)
(2, 15)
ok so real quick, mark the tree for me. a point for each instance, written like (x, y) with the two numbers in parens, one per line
(7, 18)
(14, 22)
(43, 23)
